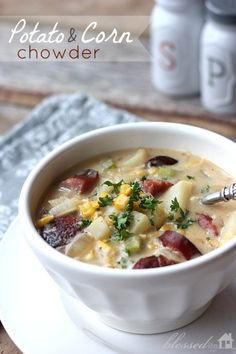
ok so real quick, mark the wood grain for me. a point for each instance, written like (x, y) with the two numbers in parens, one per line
(125, 85)
(6, 344)
(67, 10)
(76, 7)
(19, 104)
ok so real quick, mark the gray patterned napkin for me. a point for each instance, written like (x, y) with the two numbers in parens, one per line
(53, 122)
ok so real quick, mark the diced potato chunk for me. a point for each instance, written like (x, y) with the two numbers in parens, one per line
(199, 238)
(66, 207)
(54, 202)
(159, 216)
(80, 246)
(138, 159)
(107, 164)
(105, 247)
(99, 229)
(140, 223)
(182, 191)
(105, 253)
(229, 230)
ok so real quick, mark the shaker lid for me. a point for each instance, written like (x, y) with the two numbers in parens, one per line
(177, 3)
(223, 11)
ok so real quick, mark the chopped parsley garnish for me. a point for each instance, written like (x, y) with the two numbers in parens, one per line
(136, 190)
(190, 177)
(182, 219)
(116, 186)
(83, 223)
(122, 220)
(175, 205)
(149, 202)
(121, 224)
(104, 201)
(205, 189)
(135, 195)
(184, 222)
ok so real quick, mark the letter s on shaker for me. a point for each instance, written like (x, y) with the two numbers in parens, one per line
(167, 49)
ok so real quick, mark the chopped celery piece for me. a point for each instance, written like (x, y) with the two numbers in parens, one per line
(166, 172)
(133, 244)
(107, 164)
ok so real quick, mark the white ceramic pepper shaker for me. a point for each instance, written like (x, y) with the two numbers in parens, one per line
(176, 27)
(218, 57)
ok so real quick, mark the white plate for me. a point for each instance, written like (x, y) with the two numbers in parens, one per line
(32, 313)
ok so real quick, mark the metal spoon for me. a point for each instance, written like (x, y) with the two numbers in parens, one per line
(224, 195)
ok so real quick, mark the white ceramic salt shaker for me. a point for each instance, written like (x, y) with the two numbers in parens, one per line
(176, 27)
(218, 57)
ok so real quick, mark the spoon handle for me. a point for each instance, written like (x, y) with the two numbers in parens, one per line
(224, 195)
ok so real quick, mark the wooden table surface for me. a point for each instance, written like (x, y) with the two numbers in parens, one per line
(124, 85)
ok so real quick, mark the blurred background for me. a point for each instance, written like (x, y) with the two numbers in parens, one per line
(123, 85)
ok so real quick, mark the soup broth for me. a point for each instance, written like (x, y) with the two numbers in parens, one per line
(137, 209)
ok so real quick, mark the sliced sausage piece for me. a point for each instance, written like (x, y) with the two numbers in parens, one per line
(147, 262)
(152, 262)
(155, 187)
(161, 161)
(206, 223)
(61, 231)
(180, 243)
(163, 261)
(83, 182)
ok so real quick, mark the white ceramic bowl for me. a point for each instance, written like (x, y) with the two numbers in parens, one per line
(138, 301)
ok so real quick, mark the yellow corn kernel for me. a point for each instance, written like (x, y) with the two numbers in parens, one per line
(44, 220)
(141, 173)
(125, 189)
(87, 210)
(153, 171)
(109, 221)
(103, 245)
(166, 227)
(136, 205)
(121, 201)
(95, 204)
(103, 194)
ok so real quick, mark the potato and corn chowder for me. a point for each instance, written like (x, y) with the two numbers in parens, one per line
(137, 209)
